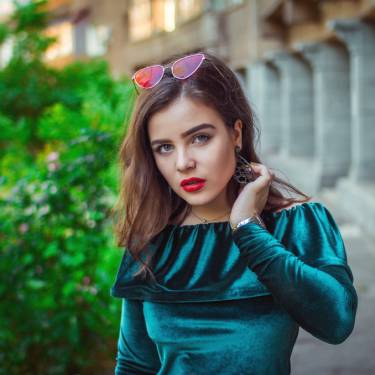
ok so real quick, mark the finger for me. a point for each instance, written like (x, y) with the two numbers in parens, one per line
(261, 168)
(265, 177)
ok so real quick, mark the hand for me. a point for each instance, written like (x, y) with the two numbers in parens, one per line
(253, 196)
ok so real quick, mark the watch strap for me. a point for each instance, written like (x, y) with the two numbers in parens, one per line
(253, 219)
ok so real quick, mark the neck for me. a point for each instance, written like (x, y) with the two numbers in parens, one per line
(217, 210)
(204, 219)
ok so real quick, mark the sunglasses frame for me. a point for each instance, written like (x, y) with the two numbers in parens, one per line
(171, 65)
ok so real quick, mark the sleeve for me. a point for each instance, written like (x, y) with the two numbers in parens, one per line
(136, 354)
(313, 283)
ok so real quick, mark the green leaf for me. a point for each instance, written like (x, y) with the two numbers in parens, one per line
(51, 250)
(35, 284)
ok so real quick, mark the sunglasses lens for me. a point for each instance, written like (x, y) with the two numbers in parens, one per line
(186, 66)
(148, 77)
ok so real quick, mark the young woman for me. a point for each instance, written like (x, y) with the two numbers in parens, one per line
(221, 268)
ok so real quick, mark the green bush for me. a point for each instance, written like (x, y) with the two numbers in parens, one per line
(59, 134)
(58, 262)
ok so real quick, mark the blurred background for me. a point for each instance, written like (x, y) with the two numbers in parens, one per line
(307, 67)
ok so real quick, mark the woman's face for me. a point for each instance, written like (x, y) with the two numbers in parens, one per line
(207, 153)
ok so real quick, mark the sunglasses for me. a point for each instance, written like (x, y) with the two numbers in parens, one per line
(150, 76)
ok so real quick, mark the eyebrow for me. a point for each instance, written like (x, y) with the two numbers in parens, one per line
(185, 134)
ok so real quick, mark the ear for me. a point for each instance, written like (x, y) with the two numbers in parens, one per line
(237, 133)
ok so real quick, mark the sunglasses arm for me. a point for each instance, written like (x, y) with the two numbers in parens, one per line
(135, 86)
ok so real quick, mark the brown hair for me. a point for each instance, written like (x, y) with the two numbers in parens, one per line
(145, 205)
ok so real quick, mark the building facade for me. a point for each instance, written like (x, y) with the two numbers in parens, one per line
(307, 67)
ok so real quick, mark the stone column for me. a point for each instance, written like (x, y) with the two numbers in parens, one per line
(253, 93)
(269, 108)
(359, 36)
(265, 100)
(330, 62)
(296, 100)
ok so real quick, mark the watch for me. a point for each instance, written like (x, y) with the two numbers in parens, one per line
(253, 219)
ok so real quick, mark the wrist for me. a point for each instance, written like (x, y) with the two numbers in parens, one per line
(255, 218)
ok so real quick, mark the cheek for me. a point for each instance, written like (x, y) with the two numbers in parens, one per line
(221, 167)
(221, 159)
(165, 168)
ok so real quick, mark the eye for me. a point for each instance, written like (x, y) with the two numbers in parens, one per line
(202, 135)
(206, 137)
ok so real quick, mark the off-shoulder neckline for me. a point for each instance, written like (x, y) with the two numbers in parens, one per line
(226, 223)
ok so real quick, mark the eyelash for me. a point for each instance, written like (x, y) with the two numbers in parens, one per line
(158, 149)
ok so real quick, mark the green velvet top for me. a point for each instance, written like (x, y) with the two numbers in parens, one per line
(232, 303)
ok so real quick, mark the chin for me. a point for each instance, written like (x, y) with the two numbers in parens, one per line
(198, 198)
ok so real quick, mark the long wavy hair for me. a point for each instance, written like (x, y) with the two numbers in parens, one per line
(146, 205)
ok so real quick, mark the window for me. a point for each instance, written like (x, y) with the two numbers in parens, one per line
(148, 17)
(163, 15)
(140, 22)
(63, 46)
(189, 9)
(96, 39)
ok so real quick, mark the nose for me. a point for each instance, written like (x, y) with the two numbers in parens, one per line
(184, 161)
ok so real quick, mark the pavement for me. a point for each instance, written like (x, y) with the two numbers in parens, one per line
(356, 355)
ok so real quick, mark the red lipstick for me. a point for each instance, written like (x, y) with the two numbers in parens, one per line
(192, 184)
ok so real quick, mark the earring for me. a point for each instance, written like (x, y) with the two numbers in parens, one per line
(243, 173)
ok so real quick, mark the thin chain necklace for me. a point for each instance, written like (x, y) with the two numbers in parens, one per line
(206, 220)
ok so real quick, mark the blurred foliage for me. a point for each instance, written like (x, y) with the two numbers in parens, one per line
(59, 132)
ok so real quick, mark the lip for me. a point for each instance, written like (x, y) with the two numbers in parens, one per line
(196, 180)
(193, 187)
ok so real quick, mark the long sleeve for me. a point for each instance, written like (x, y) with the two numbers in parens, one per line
(137, 354)
(322, 300)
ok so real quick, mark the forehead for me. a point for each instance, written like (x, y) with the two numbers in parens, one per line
(181, 115)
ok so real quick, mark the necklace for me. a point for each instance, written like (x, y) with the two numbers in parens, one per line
(206, 220)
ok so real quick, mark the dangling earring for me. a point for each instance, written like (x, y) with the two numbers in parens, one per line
(243, 173)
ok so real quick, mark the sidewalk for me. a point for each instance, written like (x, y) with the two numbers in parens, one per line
(356, 355)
